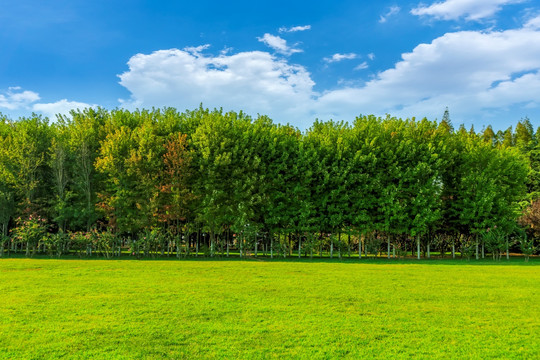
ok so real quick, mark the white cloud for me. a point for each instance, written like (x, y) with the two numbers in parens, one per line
(256, 82)
(533, 23)
(371, 56)
(338, 57)
(195, 50)
(20, 101)
(59, 107)
(476, 74)
(278, 44)
(361, 66)
(15, 98)
(393, 10)
(470, 9)
(284, 29)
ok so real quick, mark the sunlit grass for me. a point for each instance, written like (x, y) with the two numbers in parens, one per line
(130, 309)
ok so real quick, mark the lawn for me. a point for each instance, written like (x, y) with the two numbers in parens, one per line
(129, 309)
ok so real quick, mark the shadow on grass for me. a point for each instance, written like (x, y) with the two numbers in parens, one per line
(514, 259)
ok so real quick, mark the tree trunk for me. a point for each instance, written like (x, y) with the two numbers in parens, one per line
(477, 256)
(365, 247)
(483, 253)
(453, 249)
(228, 240)
(241, 244)
(339, 244)
(4, 238)
(360, 236)
(197, 244)
(299, 246)
(331, 247)
(428, 251)
(271, 246)
(290, 245)
(320, 244)
(388, 243)
(285, 239)
(507, 249)
(418, 247)
(188, 241)
(256, 245)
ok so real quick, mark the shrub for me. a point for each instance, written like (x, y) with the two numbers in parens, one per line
(527, 247)
(30, 231)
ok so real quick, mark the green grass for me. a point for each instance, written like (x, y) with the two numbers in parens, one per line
(128, 309)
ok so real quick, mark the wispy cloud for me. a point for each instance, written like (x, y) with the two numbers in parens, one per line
(533, 23)
(469, 9)
(196, 50)
(284, 29)
(392, 10)
(361, 66)
(339, 57)
(278, 44)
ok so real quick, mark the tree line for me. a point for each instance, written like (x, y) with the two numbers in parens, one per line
(160, 182)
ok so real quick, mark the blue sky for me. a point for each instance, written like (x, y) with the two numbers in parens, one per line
(292, 60)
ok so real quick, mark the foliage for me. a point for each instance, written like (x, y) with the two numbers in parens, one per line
(30, 232)
(54, 243)
(495, 241)
(527, 247)
(131, 174)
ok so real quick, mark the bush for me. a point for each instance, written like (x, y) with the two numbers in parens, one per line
(30, 232)
(527, 247)
(495, 242)
(81, 242)
(468, 247)
(54, 243)
(103, 242)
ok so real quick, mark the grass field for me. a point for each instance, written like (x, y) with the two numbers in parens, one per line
(128, 309)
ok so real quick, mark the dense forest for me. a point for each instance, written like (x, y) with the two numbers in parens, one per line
(202, 182)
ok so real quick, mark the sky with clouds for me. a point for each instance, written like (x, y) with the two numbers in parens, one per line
(292, 60)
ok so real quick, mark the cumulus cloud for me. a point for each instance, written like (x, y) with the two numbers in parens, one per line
(284, 29)
(278, 44)
(469, 9)
(62, 107)
(392, 10)
(339, 57)
(476, 74)
(256, 82)
(15, 98)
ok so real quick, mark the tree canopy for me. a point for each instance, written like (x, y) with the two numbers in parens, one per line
(229, 176)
